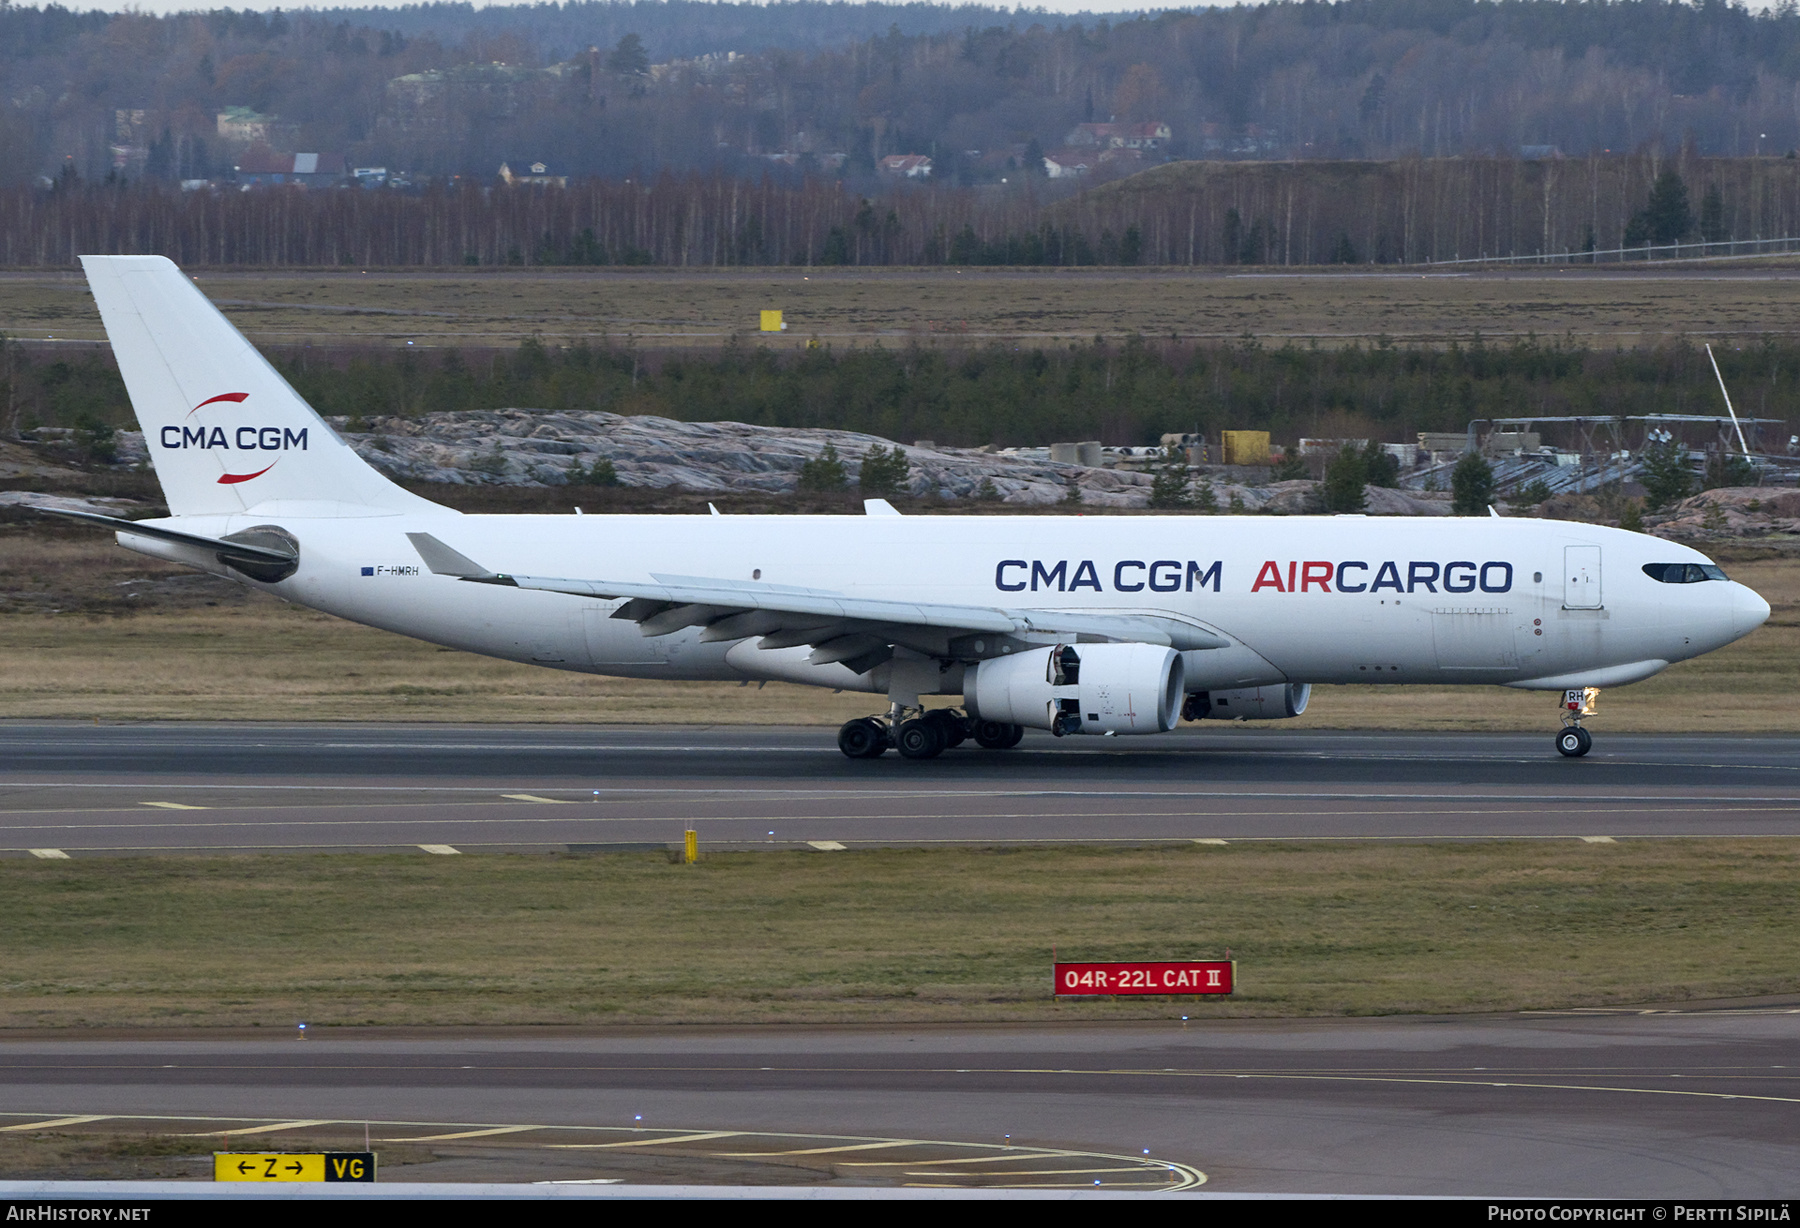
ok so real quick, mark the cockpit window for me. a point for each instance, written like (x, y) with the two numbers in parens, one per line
(1683, 573)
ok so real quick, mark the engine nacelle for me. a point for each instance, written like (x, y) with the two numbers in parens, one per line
(1257, 703)
(1085, 688)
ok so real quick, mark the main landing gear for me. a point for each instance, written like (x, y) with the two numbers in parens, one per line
(921, 734)
(1574, 741)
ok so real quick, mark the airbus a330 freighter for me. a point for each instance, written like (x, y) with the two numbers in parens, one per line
(1076, 625)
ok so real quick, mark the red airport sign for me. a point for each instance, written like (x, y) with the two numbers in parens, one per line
(1189, 976)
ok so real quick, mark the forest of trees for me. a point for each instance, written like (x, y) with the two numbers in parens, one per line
(980, 90)
(1126, 391)
(1182, 214)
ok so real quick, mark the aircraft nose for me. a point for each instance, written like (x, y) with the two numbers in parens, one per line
(1749, 610)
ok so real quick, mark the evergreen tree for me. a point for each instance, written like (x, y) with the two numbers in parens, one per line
(1665, 474)
(1233, 238)
(629, 57)
(1169, 486)
(1665, 218)
(1725, 469)
(1380, 467)
(824, 473)
(1531, 494)
(885, 471)
(1131, 247)
(1345, 478)
(1471, 485)
(601, 473)
(1712, 216)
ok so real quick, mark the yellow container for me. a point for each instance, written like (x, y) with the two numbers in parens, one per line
(1245, 447)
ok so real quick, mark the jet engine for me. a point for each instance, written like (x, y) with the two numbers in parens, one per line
(1086, 688)
(1257, 703)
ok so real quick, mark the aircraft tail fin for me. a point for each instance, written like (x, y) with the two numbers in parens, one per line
(225, 432)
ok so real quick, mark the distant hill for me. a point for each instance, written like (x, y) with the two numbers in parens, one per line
(674, 29)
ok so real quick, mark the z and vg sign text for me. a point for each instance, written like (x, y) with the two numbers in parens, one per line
(1290, 576)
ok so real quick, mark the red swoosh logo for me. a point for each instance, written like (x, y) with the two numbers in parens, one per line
(223, 396)
(232, 479)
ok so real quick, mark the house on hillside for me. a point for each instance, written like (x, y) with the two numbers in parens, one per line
(1068, 163)
(1150, 136)
(263, 166)
(906, 166)
(530, 172)
(243, 126)
(443, 99)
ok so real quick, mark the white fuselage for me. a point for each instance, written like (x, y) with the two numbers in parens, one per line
(1343, 599)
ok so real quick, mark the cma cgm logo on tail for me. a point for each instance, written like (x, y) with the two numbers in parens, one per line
(238, 439)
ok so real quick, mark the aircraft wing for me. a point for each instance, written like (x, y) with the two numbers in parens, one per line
(858, 631)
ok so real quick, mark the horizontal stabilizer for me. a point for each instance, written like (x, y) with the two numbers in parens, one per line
(266, 553)
(243, 550)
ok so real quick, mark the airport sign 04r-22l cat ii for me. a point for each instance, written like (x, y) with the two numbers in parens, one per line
(1077, 625)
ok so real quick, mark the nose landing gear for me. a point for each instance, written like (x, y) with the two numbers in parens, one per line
(1574, 741)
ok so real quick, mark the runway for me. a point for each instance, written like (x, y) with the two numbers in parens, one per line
(80, 789)
(1606, 1104)
(1692, 1104)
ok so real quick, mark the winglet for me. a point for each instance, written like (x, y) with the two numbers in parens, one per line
(444, 561)
(879, 507)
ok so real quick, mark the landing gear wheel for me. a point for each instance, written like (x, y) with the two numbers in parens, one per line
(921, 739)
(863, 739)
(952, 727)
(1574, 741)
(996, 735)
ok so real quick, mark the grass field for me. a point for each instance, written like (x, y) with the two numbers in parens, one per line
(665, 309)
(91, 631)
(898, 935)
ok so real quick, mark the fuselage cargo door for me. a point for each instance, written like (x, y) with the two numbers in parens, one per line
(1581, 577)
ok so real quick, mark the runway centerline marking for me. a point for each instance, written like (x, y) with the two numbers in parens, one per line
(532, 797)
(173, 806)
(49, 854)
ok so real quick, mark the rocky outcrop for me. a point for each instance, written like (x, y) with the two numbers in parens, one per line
(529, 447)
(533, 447)
(98, 505)
(1731, 511)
